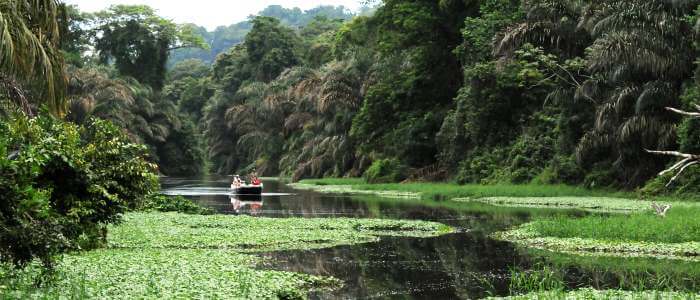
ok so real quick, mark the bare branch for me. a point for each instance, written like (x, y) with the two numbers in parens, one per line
(681, 172)
(676, 166)
(674, 153)
(688, 159)
(685, 113)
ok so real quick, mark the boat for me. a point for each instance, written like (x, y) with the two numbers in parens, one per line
(240, 187)
(247, 189)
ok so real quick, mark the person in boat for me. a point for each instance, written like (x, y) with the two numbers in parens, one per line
(237, 181)
(254, 180)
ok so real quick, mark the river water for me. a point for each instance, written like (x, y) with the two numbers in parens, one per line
(466, 264)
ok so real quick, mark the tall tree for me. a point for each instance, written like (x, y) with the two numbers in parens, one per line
(139, 41)
(640, 58)
(417, 76)
(270, 48)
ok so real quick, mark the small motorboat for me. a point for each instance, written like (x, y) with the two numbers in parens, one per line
(240, 187)
(247, 189)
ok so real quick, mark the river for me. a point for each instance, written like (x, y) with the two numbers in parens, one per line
(466, 264)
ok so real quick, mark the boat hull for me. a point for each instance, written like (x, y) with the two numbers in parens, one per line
(247, 189)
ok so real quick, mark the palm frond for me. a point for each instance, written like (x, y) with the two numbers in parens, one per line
(29, 48)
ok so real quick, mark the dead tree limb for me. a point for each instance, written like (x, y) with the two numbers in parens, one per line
(686, 160)
(685, 113)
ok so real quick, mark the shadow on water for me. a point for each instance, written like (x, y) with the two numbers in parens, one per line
(463, 265)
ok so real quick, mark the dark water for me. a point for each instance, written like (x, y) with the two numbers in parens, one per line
(463, 265)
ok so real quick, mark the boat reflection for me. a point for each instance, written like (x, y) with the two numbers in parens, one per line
(248, 204)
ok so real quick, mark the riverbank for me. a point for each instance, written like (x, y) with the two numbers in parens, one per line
(441, 191)
(173, 255)
(509, 195)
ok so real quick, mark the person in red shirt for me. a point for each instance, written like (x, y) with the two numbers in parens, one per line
(254, 180)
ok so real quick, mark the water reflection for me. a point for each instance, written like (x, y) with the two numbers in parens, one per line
(455, 266)
(281, 201)
(250, 204)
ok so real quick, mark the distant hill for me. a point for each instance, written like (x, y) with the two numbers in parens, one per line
(224, 37)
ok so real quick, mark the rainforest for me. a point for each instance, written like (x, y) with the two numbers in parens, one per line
(444, 149)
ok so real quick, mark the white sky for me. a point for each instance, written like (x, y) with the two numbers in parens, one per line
(211, 13)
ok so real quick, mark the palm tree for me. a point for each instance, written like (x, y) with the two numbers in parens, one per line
(29, 51)
(552, 24)
(145, 116)
(641, 55)
(221, 139)
(637, 53)
(326, 102)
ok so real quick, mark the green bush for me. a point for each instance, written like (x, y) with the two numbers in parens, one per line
(528, 157)
(484, 166)
(174, 204)
(601, 175)
(61, 184)
(386, 171)
(561, 170)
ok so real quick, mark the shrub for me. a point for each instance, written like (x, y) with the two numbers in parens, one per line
(61, 184)
(174, 204)
(484, 166)
(561, 170)
(386, 171)
(602, 174)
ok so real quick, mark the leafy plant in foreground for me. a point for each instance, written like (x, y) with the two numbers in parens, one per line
(61, 184)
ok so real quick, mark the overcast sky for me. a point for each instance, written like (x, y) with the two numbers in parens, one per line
(210, 13)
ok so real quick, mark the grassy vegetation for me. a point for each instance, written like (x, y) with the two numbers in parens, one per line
(628, 273)
(171, 255)
(680, 225)
(541, 278)
(588, 293)
(349, 189)
(553, 279)
(453, 190)
(441, 191)
(586, 203)
(527, 235)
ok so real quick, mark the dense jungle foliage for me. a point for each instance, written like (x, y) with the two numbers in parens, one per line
(476, 91)
(479, 91)
(490, 91)
(224, 37)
